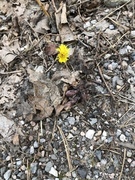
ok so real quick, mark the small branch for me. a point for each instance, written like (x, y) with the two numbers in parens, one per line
(66, 149)
(101, 74)
(42, 7)
(123, 164)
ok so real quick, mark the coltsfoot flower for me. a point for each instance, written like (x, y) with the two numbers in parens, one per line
(63, 53)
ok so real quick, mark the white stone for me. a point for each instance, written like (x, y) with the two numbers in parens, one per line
(54, 172)
(87, 24)
(70, 136)
(129, 153)
(104, 135)
(133, 33)
(90, 133)
(122, 137)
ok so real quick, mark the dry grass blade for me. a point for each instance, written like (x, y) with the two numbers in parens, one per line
(123, 164)
(66, 149)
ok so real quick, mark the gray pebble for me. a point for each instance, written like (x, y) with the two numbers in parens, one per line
(112, 66)
(48, 166)
(93, 121)
(111, 26)
(35, 144)
(82, 172)
(2, 170)
(8, 158)
(124, 64)
(33, 167)
(132, 34)
(110, 170)
(98, 154)
(7, 174)
(53, 156)
(18, 163)
(42, 159)
(42, 140)
(31, 150)
(71, 120)
(34, 178)
(94, 21)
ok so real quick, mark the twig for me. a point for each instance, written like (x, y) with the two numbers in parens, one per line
(126, 145)
(101, 74)
(123, 163)
(66, 149)
(42, 7)
(28, 170)
(11, 72)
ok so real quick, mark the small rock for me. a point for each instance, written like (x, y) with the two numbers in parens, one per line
(35, 144)
(8, 158)
(42, 140)
(18, 163)
(7, 174)
(71, 120)
(94, 21)
(93, 121)
(111, 26)
(124, 64)
(87, 24)
(110, 170)
(118, 133)
(53, 157)
(54, 172)
(98, 154)
(31, 150)
(98, 133)
(132, 164)
(129, 153)
(90, 133)
(2, 170)
(33, 167)
(74, 174)
(122, 137)
(70, 136)
(104, 135)
(82, 172)
(112, 66)
(48, 166)
(132, 34)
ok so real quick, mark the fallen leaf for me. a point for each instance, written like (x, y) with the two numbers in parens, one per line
(65, 32)
(7, 128)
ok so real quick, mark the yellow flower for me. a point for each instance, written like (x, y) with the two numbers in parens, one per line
(63, 53)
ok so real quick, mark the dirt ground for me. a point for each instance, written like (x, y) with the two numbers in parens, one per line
(73, 120)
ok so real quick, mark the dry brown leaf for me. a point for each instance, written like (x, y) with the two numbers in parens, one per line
(46, 95)
(9, 50)
(42, 26)
(16, 139)
(66, 76)
(65, 32)
(7, 128)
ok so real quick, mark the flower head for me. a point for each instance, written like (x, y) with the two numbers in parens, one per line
(63, 53)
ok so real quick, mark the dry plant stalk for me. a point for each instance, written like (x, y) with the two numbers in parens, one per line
(42, 7)
(123, 164)
(66, 149)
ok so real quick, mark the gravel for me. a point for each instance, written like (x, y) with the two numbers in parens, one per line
(87, 141)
